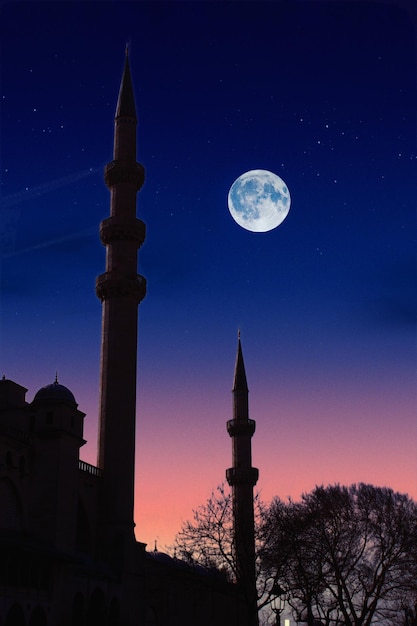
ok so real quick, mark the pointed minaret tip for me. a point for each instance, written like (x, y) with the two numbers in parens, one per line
(240, 381)
(126, 100)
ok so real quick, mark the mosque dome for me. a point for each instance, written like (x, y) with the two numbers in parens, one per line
(161, 557)
(55, 393)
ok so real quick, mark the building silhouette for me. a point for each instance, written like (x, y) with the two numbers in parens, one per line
(68, 554)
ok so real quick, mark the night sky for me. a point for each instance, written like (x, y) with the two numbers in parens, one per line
(322, 94)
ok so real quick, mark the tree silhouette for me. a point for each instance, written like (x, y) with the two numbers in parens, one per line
(341, 556)
(344, 555)
(208, 540)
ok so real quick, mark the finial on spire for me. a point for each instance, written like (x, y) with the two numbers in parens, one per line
(238, 333)
(127, 50)
(56, 377)
(156, 546)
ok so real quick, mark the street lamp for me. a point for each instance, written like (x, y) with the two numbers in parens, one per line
(277, 602)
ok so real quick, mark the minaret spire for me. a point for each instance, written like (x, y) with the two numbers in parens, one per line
(240, 382)
(126, 101)
(120, 290)
(242, 478)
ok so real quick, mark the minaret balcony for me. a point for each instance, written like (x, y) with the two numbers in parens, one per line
(121, 228)
(237, 427)
(111, 285)
(120, 171)
(242, 476)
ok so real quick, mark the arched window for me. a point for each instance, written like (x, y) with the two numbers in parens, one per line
(78, 610)
(15, 616)
(117, 551)
(22, 465)
(83, 535)
(151, 617)
(9, 460)
(114, 613)
(10, 510)
(38, 617)
(96, 612)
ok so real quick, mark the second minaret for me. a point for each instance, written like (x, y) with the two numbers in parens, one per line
(242, 478)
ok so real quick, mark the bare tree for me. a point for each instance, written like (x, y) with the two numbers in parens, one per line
(343, 555)
(208, 540)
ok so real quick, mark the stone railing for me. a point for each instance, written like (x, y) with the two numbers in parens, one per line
(90, 469)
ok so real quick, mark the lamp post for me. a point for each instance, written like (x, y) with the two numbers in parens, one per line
(277, 602)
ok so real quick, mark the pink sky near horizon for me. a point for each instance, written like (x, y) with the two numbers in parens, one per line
(321, 420)
(311, 434)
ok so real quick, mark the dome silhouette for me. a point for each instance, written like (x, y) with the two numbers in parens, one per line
(54, 393)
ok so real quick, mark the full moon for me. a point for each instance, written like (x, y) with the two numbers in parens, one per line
(259, 201)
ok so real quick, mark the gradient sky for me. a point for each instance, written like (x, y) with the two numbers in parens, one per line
(324, 95)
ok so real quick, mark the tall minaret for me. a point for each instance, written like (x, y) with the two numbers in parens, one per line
(120, 290)
(242, 477)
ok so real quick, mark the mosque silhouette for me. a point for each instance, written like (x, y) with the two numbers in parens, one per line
(68, 550)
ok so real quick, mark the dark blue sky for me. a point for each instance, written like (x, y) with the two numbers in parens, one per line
(321, 93)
